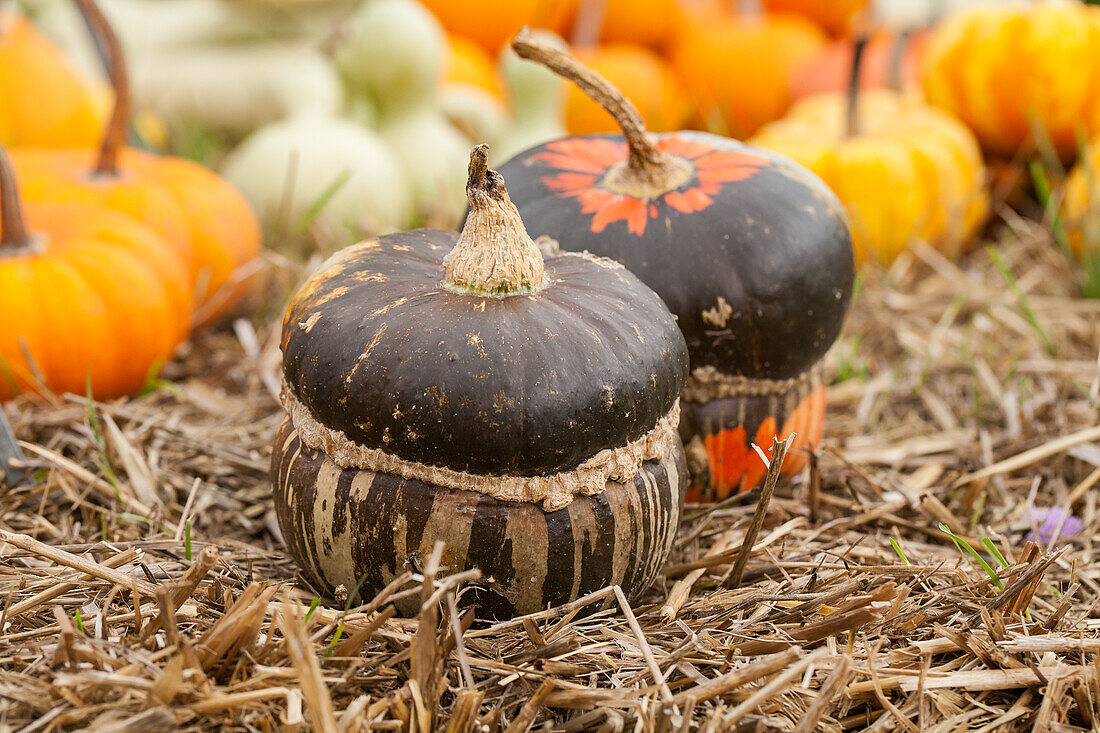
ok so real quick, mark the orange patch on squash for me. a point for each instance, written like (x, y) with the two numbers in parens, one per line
(735, 466)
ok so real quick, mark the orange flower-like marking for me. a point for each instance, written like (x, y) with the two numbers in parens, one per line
(584, 162)
(735, 466)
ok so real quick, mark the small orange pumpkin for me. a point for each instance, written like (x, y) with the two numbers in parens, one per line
(651, 23)
(202, 216)
(490, 23)
(89, 296)
(43, 100)
(835, 16)
(643, 78)
(739, 70)
(1004, 70)
(891, 60)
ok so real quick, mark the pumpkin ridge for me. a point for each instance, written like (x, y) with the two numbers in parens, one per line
(554, 491)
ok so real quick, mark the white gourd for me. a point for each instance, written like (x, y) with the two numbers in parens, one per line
(538, 102)
(342, 179)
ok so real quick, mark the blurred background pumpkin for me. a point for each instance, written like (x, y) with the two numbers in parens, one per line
(739, 68)
(205, 219)
(1010, 72)
(903, 169)
(92, 299)
(45, 101)
(643, 77)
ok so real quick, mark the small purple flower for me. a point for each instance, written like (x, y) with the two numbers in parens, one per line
(1049, 519)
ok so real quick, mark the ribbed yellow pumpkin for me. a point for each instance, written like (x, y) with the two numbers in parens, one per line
(904, 171)
(1004, 70)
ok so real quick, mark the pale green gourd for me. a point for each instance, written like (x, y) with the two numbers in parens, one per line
(538, 102)
(324, 174)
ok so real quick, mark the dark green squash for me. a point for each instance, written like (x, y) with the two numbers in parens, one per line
(460, 388)
(751, 251)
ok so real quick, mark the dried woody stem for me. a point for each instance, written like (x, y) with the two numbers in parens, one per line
(851, 126)
(494, 254)
(15, 238)
(648, 170)
(775, 465)
(114, 137)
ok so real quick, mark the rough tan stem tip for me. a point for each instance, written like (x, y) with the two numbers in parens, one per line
(494, 254)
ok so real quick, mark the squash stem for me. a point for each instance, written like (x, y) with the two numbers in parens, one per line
(494, 255)
(852, 123)
(897, 59)
(644, 153)
(14, 235)
(114, 137)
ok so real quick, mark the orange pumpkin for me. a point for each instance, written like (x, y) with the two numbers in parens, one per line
(651, 23)
(643, 77)
(835, 16)
(490, 23)
(469, 63)
(43, 100)
(739, 70)
(891, 60)
(203, 217)
(1003, 70)
(89, 295)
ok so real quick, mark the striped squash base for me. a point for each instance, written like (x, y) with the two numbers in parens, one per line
(356, 527)
(720, 433)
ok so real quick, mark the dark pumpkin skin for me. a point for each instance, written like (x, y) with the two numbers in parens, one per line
(349, 527)
(752, 253)
(522, 385)
(773, 243)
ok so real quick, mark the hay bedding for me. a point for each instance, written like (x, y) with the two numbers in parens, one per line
(960, 396)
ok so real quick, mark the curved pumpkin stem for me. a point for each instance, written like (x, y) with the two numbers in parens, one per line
(644, 153)
(14, 234)
(852, 123)
(897, 59)
(494, 254)
(114, 138)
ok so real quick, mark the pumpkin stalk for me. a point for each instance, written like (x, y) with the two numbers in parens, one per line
(15, 238)
(852, 124)
(649, 171)
(897, 59)
(494, 254)
(114, 137)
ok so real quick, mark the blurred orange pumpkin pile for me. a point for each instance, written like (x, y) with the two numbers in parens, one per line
(124, 250)
(336, 120)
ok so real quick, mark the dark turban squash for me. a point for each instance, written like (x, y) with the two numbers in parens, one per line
(522, 412)
(751, 251)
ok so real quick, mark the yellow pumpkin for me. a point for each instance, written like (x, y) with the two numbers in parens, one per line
(1002, 70)
(207, 221)
(739, 71)
(643, 78)
(43, 100)
(469, 63)
(1081, 205)
(905, 171)
(89, 295)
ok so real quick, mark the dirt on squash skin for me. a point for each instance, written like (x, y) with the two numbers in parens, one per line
(958, 395)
